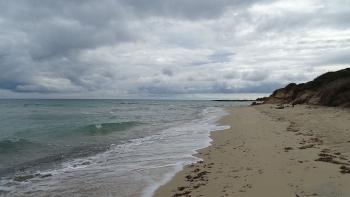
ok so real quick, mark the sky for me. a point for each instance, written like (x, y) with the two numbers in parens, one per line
(167, 48)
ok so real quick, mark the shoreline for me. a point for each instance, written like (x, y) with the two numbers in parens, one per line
(138, 166)
(292, 148)
(150, 190)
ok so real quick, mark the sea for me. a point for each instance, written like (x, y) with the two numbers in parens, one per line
(116, 148)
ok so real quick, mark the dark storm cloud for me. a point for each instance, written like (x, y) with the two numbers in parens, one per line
(118, 47)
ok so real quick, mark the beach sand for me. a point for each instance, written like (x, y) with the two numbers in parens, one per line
(268, 152)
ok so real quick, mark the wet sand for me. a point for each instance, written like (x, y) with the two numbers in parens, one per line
(292, 152)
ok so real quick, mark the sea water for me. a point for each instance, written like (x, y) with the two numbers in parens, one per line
(100, 147)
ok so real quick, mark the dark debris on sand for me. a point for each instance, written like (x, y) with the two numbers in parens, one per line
(196, 179)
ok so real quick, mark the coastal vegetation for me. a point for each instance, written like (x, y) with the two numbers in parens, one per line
(329, 89)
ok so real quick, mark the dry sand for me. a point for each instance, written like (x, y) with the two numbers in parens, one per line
(268, 152)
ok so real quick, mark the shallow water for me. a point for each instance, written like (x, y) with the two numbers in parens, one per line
(99, 147)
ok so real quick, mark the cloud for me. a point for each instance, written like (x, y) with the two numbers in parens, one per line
(184, 9)
(256, 75)
(123, 48)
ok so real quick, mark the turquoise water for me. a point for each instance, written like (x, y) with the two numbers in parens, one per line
(41, 141)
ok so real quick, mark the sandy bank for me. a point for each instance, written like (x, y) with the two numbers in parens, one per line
(300, 151)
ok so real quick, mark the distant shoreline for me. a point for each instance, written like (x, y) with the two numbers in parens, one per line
(234, 100)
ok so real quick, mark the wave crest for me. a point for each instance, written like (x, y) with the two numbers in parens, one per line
(106, 128)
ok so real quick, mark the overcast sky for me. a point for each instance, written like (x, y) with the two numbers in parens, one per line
(142, 48)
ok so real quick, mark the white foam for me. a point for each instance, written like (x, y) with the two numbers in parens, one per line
(204, 126)
(137, 167)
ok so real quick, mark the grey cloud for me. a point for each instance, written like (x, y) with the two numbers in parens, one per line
(256, 75)
(338, 57)
(262, 87)
(193, 9)
(256, 87)
(327, 15)
(123, 47)
(221, 56)
(230, 75)
(42, 39)
(216, 87)
(167, 72)
(60, 27)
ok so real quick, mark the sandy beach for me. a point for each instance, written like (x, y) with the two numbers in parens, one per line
(292, 152)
